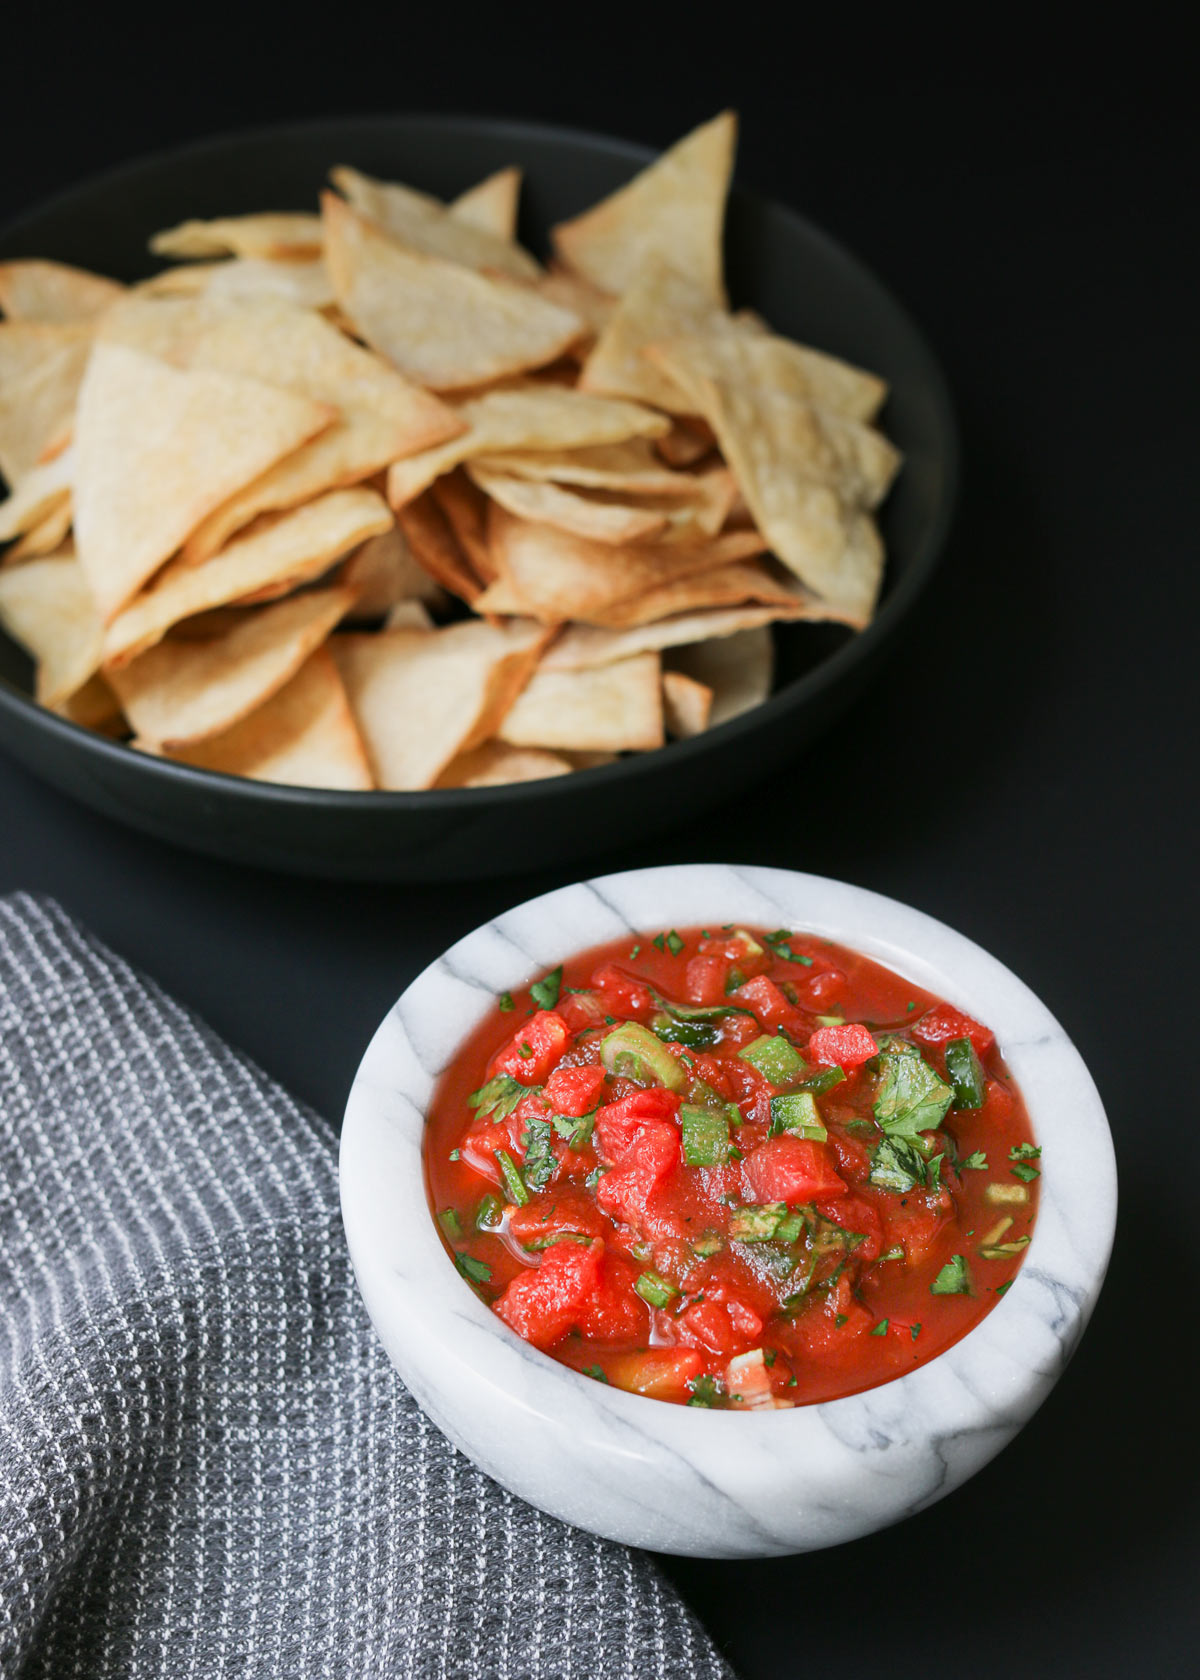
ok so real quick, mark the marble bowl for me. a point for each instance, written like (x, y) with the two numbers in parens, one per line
(684, 1479)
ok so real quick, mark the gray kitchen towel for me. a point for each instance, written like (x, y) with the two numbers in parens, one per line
(207, 1465)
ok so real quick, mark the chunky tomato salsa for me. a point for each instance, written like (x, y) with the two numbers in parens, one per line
(733, 1168)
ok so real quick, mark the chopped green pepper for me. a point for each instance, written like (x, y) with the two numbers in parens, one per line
(705, 1136)
(774, 1058)
(797, 1112)
(965, 1072)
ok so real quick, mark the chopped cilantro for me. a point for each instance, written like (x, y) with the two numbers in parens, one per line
(953, 1279)
(596, 1374)
(456, 1154)
(881, 1329)
(1024, 1152)
(839, 1320)
(912, 1099)
(610, 1020)
(706, 1391)
(769, 1357)
(498, 1097)
(545, 992)
(897, 1166)
(896, 1252)
(506, 1002)
(780, 947)
(976, 1161)
(526, 1050)
(636, 952)
(915, 1331)
(576, 1129)
(1001, 1287)
(659, 941)
(910, 1007)
(540, 1159)
(477, 1270)
(933, 1174)
(593, 1178)
(1024, 1173)
(674, 943)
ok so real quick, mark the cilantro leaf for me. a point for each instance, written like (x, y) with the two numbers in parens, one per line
(505, 1001)
(674, 943)
(897, 1166)
(881, 1329)
(706, 1391)
(545, 992)
(540, 1159)
(780, 946)
(953, 1279)
(477, 1270)
(1024, 1152)
(595, 1372)
(976, 1161)
(912, 1099)
(498, 1098)
(575, 1129)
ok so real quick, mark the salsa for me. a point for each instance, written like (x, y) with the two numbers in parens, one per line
(734, 1168)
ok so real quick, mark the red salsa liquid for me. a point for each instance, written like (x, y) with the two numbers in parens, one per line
(733, 1167)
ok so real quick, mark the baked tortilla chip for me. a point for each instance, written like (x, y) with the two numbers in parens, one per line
(303, 736)
(51, 291)
(674, 209)
(688, 441)
(735, 584)
(495, 764)
(41, 368)
(180, 692)
(45, 537)
(157, 448)
(46, 605)
(737, 670)
(441, 324)
(305, 284)
(525, 417)
(465, 508)
(38, 496)
(554, 576)
(687, 705)
(422, 697)
(571, 291)
(423, 224)
(567, 510)
(278, 235)
(94, 706)
(491, 205)
(632, 466)
(274, 557)
(610, 708)
(807, 473)
(583, 645)
(385, 572)
(661, 303)
(436, 548)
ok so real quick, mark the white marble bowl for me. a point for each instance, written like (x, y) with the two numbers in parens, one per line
(686, 1479)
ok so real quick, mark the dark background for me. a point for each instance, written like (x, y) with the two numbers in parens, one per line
(1025, 767)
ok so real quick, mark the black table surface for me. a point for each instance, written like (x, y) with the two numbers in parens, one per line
(1025, 768)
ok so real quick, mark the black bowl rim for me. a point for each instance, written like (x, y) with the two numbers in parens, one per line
(853, 654)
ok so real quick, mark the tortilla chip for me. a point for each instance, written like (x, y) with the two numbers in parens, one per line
(385, 572)
(160, 447)
(41, 367)
(610, 708)
(675, 208)
(688, 441)
(305, 284)
(275, 235)
(50, 291)
(806, 472)
(184, 691)
(738, 671)
(436, 548)
(94, 706)
(554, 576)
(46, 605)
(275, 556)
(443, 325)
(425, 225)
(422, 697)
(583, 645)
(491, 206)
(661, 303)
(465, 509)
(607, 522)
(632, 466)
(303, 736)
(728, 585)
(687, 705)
(525, 417)
(409, 615)
(495, 764)
(45, 537)
(40, 494)
(571, 291)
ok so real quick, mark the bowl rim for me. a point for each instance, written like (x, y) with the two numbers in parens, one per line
(1064, 1266)
(853, 654)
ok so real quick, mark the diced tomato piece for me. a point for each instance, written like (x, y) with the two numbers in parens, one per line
(818, 1331)
(617, 1123)
(944, 1022)
(734, 950)
(534, 1048)
(624, 1190)
(854, 1158)
(847, 1046)
(581, 1009)
(822, 987)
(854, 1213)
(708, 1325)
(792, 1169)
(744, 1319)
(576, 1090)
(622, 993)
(662, 1372)
(771, 1007)
(916, 1228)
(478, 1148)
(615, 1310)
(704, 980)
(561, 1210)
(543, 1304)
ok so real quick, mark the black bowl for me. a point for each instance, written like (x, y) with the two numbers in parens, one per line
(800, 280)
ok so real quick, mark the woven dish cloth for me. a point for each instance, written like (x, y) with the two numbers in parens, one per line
(207, 1465)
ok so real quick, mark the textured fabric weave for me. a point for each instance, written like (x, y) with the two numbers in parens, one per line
(207, 1466)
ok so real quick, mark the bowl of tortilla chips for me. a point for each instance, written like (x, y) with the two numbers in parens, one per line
(418, 497)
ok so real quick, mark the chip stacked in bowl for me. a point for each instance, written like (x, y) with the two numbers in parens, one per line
(369, 498)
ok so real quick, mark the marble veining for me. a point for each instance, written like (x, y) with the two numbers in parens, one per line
(686, 1479)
